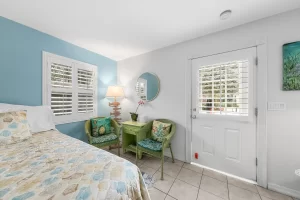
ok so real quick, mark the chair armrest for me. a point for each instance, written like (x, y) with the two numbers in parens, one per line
(116, 126)
(88, 129)
(144, 132)
(168, 138)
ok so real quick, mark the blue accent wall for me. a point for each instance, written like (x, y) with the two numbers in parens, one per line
(21, 50)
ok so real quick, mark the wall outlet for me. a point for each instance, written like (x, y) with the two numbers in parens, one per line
(276, 106)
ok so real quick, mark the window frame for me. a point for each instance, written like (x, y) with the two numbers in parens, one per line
(241, 83)
(49, 58)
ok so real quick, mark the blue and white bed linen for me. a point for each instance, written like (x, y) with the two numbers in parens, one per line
(51, 165)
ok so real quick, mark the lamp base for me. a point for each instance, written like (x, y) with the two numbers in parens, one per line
(116, 111)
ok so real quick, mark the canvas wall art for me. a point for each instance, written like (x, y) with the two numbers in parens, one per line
(291, 66)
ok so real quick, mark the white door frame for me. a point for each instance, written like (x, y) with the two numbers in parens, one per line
(261, 92)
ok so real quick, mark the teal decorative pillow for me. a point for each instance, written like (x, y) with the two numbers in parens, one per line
(100, 126)
(13, 127)
(160, 130)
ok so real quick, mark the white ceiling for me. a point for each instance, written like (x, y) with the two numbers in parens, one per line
(120, 29)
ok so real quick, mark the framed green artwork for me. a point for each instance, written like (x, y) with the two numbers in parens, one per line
(291, 66)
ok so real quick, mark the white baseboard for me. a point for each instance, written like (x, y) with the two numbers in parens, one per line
(284, 190)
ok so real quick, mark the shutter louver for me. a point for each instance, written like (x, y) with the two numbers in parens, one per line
(85, 79)
(223, 88)
(61, 76)
(85, 103)
(61, 103)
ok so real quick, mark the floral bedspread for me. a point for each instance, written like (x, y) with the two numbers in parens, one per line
(51, 165)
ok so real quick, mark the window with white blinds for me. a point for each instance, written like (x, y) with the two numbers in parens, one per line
(69, 87)
(85, 103)
(61, 103)
(61, 75)
(223, 88)
(85, 79)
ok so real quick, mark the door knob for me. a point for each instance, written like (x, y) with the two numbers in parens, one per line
(194, 117)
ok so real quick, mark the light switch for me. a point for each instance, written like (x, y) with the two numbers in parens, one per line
(276, 106)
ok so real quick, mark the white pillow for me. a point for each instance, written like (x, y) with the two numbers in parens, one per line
(40, 118)
(11, 107)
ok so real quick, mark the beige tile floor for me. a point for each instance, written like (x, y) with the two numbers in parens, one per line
(184, 181)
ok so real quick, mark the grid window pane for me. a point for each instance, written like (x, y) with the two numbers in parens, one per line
(61, 103)
(85, 79)
(223, 88)
(85, 103)
(61, 76)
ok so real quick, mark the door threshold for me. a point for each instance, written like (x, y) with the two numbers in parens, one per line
(226, 174)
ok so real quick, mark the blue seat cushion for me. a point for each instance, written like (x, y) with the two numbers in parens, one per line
(103, 138)
(150, 144)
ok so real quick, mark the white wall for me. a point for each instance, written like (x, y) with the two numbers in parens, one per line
(170, 63)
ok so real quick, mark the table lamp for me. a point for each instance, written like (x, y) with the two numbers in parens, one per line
(115, 92)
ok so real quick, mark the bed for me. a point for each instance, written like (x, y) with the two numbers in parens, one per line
(51, 165)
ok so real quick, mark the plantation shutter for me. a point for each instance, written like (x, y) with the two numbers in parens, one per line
(86, 96)
(85, 79)
(61, 78)
(85, 102)
(70, 88)
(223, 88)
(61, 103)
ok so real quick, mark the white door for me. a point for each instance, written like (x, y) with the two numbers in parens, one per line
(223, 112)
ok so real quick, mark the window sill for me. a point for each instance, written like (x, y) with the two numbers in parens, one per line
(72, 120)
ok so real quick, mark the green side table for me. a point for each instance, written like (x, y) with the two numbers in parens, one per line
(130, 136)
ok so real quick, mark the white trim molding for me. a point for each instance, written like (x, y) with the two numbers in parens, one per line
(261, 95)
(188, 121)
(83, 85)
(284, 190)
(261, 132)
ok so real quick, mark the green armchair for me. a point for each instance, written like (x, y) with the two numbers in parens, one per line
(104, 140)
(145, 144)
